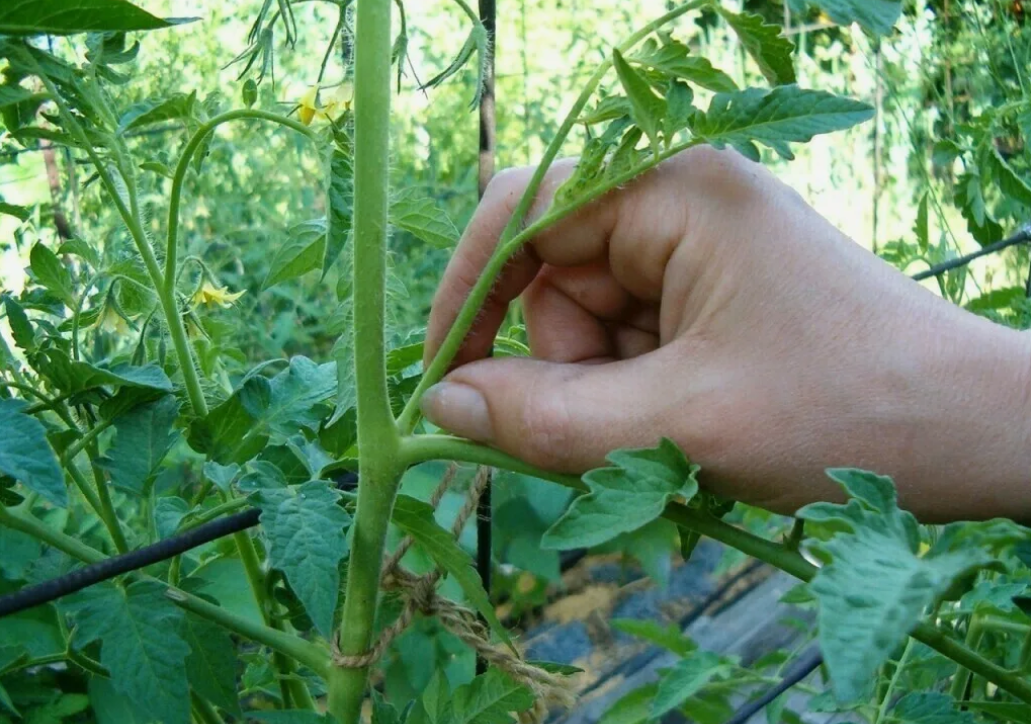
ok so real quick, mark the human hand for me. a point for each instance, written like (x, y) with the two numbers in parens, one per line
(708, 303)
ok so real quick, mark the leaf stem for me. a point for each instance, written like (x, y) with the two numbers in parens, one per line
(183, 165)
(960, 680)
(168, 303)
(290, 688)
(882, 710)
(378, 439)
(423, 448)
(307, 653)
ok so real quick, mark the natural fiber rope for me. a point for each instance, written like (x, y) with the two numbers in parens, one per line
(420, 596)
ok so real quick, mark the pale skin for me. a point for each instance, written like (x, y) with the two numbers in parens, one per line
(708, 303)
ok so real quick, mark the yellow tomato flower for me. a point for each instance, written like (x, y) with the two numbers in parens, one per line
(211, 295)
(339, 100)
(112, 322)
(309, 107)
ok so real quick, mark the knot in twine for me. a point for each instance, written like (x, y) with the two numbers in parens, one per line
(420, 596)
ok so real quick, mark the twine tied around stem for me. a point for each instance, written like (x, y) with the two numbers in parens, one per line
(420, 596)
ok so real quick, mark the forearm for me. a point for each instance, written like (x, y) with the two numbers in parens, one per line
(957, 424)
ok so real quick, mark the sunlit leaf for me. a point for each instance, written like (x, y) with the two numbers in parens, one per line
(877, 543)
(776, 118)
(624, 497)
(65, 17)
(770, 50)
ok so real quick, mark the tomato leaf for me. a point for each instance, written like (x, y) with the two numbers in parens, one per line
(65, 17)
(875, 16)
(422, 218)
(175, 106)
(143, 437)
(877, 543)
(674, 59)
(303, 252)
(26, 455)
(490, 699)
(52, 274)
(140, 644)
(306, 533)
(686, 679)
(647, 108)
(624, 497)
(770, 50)
(775, 118)
(211, 665)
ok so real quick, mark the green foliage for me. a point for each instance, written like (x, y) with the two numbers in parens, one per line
(64, 17)
(874, 542)
(416, 519)
(876, 16)
(305, 529)
(140, 645)
(775, 118)
(26, 456)
(625, 497)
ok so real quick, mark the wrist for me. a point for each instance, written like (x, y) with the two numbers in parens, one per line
(962, 446)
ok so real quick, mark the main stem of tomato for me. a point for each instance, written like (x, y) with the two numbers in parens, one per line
(512, 238)
(378, 439)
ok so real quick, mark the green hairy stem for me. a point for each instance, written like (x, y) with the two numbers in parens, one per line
(378, 437)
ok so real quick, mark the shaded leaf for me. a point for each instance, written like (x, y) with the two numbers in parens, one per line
(648, 109)
(211, 665)
(302, 252)
(52, 274)
(140, 644)
(174, 107)
(26, 455)
(143, 437)
(422, 218)
(686, 679)
(668, 637)
(875, 16)
(491, 698)
(306, 533)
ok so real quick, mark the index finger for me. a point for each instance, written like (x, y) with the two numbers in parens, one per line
(577, 239)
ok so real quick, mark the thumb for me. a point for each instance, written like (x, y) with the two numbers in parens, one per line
(557, 416)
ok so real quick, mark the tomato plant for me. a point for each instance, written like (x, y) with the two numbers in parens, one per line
(117, 385)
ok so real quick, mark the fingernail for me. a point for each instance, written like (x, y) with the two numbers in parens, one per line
(459, 409)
